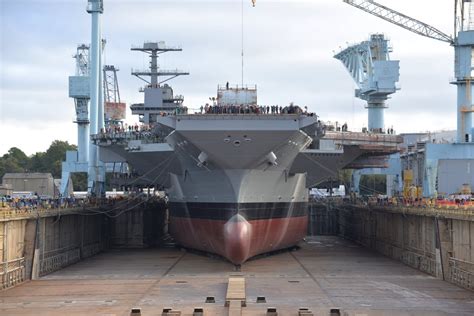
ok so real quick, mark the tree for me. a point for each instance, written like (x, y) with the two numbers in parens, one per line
(55, 154)
(373, 184)
(345, 176)
(8, 164)
(80, 181)
(16, 160)
(57, 150)
(37, 162)
(19, 156)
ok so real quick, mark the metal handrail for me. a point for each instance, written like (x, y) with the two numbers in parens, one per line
(163, 72)
(147, 137)
(31, 213)
(456, 260)
(356, 136)
(4, 266)
(238, 116)
(246, 87)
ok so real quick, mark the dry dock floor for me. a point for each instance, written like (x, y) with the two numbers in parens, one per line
(327, 272)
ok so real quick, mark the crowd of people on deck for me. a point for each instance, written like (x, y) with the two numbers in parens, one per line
(181, 110)
(139, 131)
(127, 131)
(125, 128)
(252, 109)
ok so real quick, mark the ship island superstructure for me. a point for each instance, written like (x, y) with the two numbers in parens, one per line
(158, 95)
(236, 173)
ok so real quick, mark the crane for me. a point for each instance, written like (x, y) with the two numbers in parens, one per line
(110, 82)
(79, 90)
(463, 44)
(114, 109)
(400, 19)
(375, 75)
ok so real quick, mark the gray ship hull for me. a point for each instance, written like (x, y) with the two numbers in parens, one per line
(238, 213)
(235, 196)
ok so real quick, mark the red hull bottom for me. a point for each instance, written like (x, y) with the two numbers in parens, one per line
(238, 239)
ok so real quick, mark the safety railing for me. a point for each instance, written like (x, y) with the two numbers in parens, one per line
(416, 210)
(422, 207)
(12, 272)
(90, 250)
(462, 273)
(120, 137)
(226, 86)
(161, 72)
(363, 137)
(32, 212)
(56, 262)
(237, 116)
(419, 261)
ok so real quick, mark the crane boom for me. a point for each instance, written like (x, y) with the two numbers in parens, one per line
(400, 19)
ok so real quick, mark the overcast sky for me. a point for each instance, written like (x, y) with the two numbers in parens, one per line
(288, 53)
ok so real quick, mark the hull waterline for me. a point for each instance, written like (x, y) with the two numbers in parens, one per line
(239, 238)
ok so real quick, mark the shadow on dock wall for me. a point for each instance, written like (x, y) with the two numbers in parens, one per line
(141, 228)
(323, 220)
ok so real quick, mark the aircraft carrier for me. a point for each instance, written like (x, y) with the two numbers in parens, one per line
(236, 173)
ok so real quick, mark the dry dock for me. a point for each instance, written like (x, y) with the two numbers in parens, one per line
(326, 273)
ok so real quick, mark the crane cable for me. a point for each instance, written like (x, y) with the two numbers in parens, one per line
(242, 35)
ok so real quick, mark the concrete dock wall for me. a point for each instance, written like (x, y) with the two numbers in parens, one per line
(323, 220)
(64, 240)
(35, 244)
(12, 262)
(433, 242)
(141, 228)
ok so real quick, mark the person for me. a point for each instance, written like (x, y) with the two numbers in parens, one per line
(290, 108)
(202, 108)
(227, 85)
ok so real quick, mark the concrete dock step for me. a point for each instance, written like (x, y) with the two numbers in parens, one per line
(236, 291)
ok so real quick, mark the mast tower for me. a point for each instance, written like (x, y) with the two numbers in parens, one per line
(159, 96)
